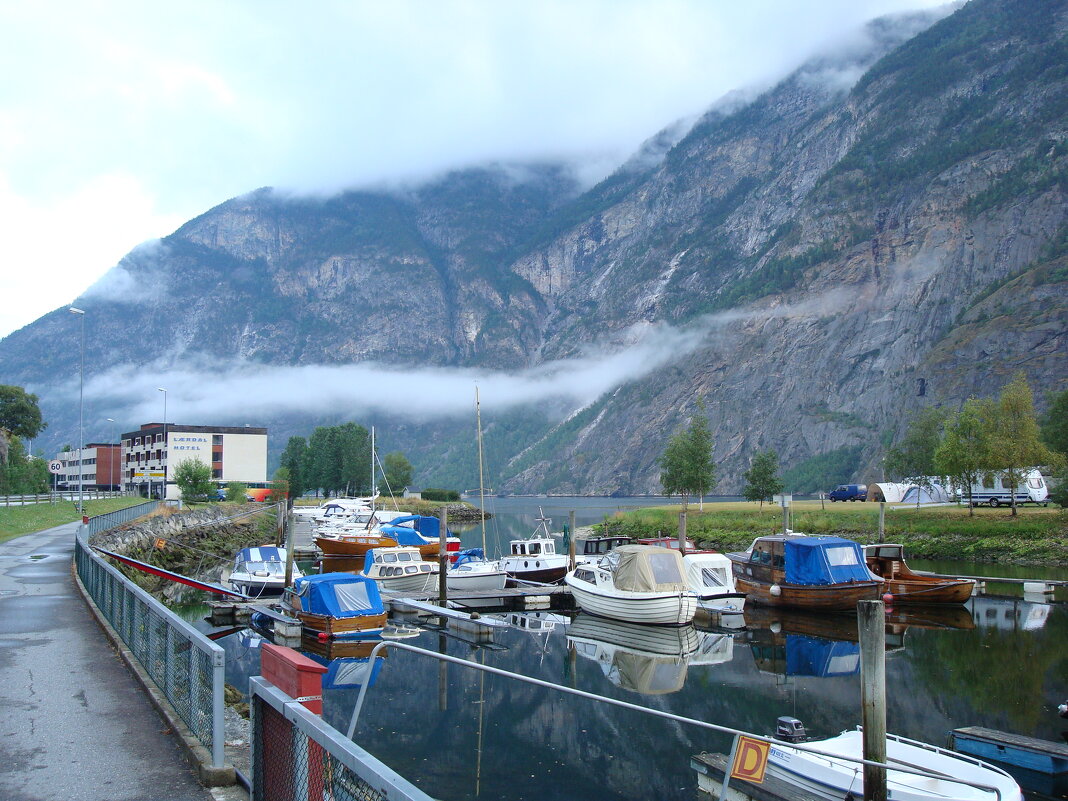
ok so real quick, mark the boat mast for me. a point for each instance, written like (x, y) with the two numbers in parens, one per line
(481, 484)
(372, 472)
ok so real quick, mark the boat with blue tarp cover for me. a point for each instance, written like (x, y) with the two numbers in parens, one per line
(412, 531)
(800, 655)
(821, 573)
(261, 571)
(336, 605)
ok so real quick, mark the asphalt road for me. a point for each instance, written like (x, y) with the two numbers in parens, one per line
(75, 724)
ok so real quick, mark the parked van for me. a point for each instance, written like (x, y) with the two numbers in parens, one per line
(995, 491)
(849, 492)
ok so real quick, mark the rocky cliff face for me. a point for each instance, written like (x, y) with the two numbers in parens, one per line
(885, 215)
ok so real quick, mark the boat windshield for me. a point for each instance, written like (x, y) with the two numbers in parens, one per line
(841, 556)
(714, 577)
(271, 568)
(665, 568)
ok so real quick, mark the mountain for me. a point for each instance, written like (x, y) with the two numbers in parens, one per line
(890, 219)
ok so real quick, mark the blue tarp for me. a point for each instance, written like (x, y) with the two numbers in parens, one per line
(824, 560)
(339, 595)
(815, 656)
(428, 527)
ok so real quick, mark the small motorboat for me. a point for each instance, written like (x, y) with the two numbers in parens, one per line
(401, 570)
(948, 775)
(336, 605)
(635, 584)
(261, 571)
(535, 559)
(472, 571)
(818, 573)
(887, 562)
(709, 575)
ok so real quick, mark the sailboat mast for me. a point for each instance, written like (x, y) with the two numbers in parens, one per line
(481, 483)
(372, 470)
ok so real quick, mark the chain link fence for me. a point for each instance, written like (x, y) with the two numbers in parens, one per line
(186, 666)
(295, 755)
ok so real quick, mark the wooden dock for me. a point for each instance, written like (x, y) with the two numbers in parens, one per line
(710, 769)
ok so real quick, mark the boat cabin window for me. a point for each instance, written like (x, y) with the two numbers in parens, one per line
(404, 557)
(389, 557)
(411, 569)
(841, 556)
(584, 575)
(517, 549)
(665, 568)
(714, 577)
(535, 547)
(549, 548)
(424, 568)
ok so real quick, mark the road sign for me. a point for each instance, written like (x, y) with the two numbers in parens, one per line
(148, 474)
(55, 466)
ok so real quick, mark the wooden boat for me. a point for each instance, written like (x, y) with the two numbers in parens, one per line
(951, 775)
(335, 605)
(416, 531)
(635, 584)
(668, 542)
(819, 573)
(907, 587)
(535, 558)
(401, 570)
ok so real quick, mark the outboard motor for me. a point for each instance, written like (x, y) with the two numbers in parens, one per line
(790, 730)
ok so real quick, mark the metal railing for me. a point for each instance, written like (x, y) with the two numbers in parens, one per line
(55, 497)
(186, 667)
(296, 755)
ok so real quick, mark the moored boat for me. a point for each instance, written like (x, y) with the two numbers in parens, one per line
(401, 570)
(710, 576)
(472, 571)
(590, 549)
(819, 573)
(535, 558)
(260, 572)
(887, 561)
(636, 584)
(948, 775)
(335, 605)
(416, 531)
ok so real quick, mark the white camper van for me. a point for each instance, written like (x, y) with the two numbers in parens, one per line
(994, 490)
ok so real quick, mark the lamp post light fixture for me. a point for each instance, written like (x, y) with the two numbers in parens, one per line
(81, 406)
(163, 450)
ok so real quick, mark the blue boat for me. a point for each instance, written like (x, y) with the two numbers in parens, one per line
(336, 605)
(1042, 756)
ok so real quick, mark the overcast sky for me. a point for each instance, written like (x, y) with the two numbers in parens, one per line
(120, 121)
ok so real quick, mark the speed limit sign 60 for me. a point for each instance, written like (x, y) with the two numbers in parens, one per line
(55, 466)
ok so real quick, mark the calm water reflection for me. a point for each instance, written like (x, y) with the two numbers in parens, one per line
(460, 734)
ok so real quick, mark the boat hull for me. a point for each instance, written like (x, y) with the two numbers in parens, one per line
(911, 591)
(823, 597)
(476, 580)
(352, 545)
(417, 583)
(341, 627)
(650, 608)
(543, 570)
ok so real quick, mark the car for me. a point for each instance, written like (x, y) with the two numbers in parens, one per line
(849, 492)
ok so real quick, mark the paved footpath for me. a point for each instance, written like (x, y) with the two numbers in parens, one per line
(74, 723)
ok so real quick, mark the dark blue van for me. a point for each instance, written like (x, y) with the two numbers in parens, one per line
(849, 492)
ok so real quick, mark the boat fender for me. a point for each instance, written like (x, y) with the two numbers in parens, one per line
(775, 590)
(888, 598)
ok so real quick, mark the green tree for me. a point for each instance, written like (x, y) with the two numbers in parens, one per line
(398, 471)
(322, 469)
(965, 453)
(1016, 439)
(236, 492)
(352, 445)
(23, 474)
(762, 478)
(280, 486)
(686, 464)
(294, 459)
(913, 458)
(194, 481)
(1055, 423)
(20, 416)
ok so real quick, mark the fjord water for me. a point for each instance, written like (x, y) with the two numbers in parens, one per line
(460, 734)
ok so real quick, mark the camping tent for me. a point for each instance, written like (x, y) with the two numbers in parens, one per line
(935, 493)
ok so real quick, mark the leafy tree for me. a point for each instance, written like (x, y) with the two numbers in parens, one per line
(236, 492)
(22, 474)
(398, 471)
(322, 470)
(280, 486)
(19, 417)
(686, 464)
(965, 453)
(1016, 441)
(294, 459)
(339, 459)
(762, 478)
(1059, 488)
(913, 458)
(193, 478)
(1055, 423)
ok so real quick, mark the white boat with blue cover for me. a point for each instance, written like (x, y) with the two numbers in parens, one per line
(401, 570)
(472, 571)
(949, 776)
(636, 584)
(261, 571)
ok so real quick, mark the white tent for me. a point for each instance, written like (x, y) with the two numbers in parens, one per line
(935, 493)
(889, 491)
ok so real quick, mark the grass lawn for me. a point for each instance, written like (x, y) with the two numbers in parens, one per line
(1038, 535)
(18, 520)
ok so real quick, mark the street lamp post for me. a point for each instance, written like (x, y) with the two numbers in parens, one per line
(81, 397)
(163, 450)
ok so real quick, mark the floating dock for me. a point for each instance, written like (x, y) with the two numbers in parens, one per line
(1042, 756)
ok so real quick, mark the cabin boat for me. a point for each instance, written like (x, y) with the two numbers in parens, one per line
(951, 776)
(472, 571)
(818, 573)
(260, 572)
(710, 576)
(401, 570)
(651, 660)
(668, 542)
(535, 559)
(887, 562)
(590, 549)
(417, 531)
(635, 584)
(335, 605)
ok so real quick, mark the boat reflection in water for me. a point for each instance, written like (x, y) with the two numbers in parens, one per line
(650, 660)
(803, 655)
